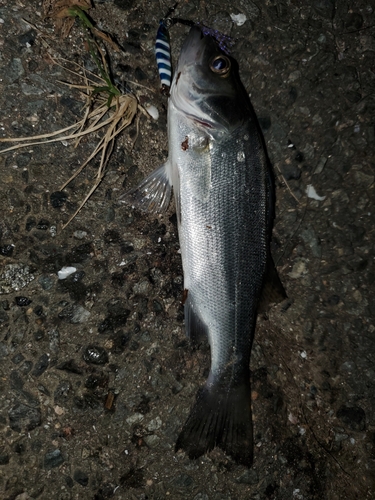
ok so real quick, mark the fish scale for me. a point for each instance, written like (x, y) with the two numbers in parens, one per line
(222, 262)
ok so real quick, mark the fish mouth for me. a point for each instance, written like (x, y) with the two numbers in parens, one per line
(185, 91)
(192, 49)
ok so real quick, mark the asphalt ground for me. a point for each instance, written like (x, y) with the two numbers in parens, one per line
(96, 375)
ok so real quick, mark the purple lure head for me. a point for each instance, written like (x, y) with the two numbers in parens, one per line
(225, 42)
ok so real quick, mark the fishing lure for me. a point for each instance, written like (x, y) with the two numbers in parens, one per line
(163, 46)
(163, 56)
(225, 42)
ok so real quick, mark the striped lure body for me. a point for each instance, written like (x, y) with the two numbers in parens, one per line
(163, 56)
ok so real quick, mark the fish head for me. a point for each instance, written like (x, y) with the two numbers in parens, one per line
(206, 86)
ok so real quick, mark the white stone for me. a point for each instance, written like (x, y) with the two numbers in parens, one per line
(65, 272)
(238, 19)
(311, 193)
(152, 111)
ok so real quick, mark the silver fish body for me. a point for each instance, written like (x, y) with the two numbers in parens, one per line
(222, 185)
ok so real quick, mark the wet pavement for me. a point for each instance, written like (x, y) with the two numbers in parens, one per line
(96, 375)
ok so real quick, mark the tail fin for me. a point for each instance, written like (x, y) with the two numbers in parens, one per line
(220, 417)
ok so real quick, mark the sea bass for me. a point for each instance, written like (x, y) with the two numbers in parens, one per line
(223, 191)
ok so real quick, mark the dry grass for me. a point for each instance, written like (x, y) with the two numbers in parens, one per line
(106, 109)
(97, 116)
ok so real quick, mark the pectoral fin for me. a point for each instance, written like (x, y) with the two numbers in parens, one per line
(153, 194)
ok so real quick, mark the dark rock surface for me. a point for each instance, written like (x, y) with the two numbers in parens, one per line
(96, 375)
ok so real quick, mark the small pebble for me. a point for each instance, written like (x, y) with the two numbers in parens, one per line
(65, 272)
(4, 457)
(41, 365)
(46, 282)
(23, 301)
(152, 111)
(79, 235)
(238, 19)
(53, 231)
(80, 253)
(352, 416)
(183, 481)
(38, 310)
(54, 340)
(291, 172)
(18, 358)
(135, 418)
(152, 440)
(111, 236)
(58, 198)
(23, 417)
(69, 481)
(6, 250)
(248, 477)
(25, 368)
(58, 410)
(80, 314)
(140, 75)
(311, 193)
(299, 157)
(27, 38)
(43, 225)
(78, 276)
(95, 355)
(52, 459)
(70, 366)
(81, 478)
(155, 424)
(14, 277)
(30, 223)
(61, 393)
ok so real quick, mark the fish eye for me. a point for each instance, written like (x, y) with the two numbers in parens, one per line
(220, 65)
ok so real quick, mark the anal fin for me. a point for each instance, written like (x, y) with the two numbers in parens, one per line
(273, 290)
(195, 329)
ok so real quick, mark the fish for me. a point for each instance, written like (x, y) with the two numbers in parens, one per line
(224, 196)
